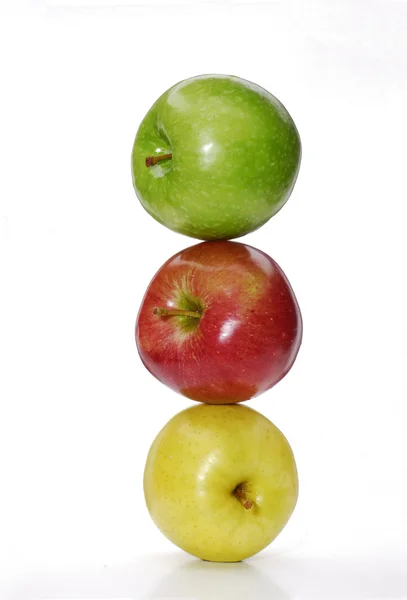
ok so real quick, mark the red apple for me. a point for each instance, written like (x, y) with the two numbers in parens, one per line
(219, 323)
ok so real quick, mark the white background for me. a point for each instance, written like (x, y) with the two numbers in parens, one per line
(78, 411)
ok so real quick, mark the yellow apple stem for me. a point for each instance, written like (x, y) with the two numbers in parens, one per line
(240, 494)
(176, 312)
(153, 160)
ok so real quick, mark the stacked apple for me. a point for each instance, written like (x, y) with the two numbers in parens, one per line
(215, 158)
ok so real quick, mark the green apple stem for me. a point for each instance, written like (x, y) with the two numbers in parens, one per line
(241, 495)
(176, 312)
(153, 160)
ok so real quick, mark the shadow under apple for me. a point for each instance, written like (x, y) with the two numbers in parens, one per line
(172, 576)
(201, 580)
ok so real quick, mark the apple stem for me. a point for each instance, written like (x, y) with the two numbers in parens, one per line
(240, 494)
(153, 160)
(176, 312)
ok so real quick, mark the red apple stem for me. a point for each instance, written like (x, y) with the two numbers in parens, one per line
(240, 494)
(153, 160)
(176, 312)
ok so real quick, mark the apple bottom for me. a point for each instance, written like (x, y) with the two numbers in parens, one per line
(220, 482)
(221, 393)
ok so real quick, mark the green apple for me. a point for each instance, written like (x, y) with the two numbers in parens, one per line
(220, 482)
(215, 157)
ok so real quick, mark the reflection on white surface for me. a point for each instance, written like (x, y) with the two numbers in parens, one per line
(200, 580)
(159, 577)
(178, 576)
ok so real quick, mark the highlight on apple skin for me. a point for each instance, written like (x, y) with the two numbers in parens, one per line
(220, 482)
(219, 323)
(215, 157)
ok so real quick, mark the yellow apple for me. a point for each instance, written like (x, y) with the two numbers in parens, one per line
(220, 482)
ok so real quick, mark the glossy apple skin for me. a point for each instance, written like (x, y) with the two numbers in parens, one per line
(248, 336)
(193, 468)
(235, 157)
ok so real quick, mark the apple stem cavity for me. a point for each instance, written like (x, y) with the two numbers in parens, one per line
(241, 495)
(176, 312)
(153, 160)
